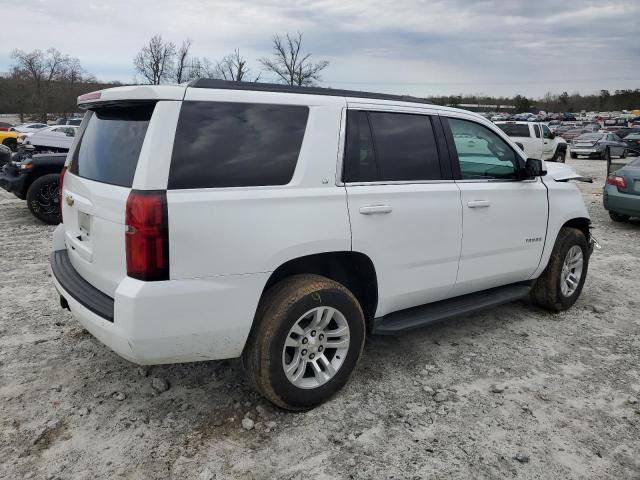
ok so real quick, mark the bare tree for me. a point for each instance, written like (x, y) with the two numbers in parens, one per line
(233, 68)
(154, 61)
(41, 69)
(181, 70)
(291, 65)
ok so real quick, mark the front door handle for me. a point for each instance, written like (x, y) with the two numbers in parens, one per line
(478, 204)
(375, 209)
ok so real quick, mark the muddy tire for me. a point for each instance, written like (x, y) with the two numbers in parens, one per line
(560, 284)
(574, 155)
(290, 327)
(43, 199)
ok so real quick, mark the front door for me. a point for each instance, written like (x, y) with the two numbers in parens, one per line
(403, 205)
(504, 219)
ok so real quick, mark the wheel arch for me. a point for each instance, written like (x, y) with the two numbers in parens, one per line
(354, 270)
(581, 223)
(35, 175)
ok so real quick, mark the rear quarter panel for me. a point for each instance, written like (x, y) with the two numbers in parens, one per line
(244, 230)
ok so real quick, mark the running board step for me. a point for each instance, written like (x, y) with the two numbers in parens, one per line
(434, 312)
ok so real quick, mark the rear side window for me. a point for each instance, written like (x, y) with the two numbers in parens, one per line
(110, 145)
(221, 144)
(515, 129)
(390, 147)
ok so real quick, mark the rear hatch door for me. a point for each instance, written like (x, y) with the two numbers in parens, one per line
(96, 187)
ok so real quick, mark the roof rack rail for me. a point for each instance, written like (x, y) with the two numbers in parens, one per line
(275, 87)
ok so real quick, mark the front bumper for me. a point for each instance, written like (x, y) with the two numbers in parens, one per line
(12, 181)
(169, 321)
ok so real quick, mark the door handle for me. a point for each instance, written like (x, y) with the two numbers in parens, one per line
(478, 204)
(375, 209)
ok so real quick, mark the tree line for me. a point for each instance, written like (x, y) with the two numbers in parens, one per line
(42, 82)
(603, 101)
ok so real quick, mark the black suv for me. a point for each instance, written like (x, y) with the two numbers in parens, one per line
(36, 180)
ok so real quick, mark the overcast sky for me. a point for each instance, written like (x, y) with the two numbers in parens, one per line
(418, 47)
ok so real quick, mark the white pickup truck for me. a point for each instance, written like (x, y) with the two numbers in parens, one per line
(536, 140)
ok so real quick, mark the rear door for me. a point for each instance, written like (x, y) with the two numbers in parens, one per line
(504, 219)
(96, 186)
(403, 205)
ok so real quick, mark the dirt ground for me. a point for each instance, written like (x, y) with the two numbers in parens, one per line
(511, 392)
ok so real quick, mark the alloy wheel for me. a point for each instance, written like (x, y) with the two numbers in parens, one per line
(316, 347)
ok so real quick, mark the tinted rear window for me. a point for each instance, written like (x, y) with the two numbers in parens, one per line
(515, 129)
(221, 144)
(110, 145)
(402, 148)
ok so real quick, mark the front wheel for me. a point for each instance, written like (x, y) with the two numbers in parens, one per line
(43, 198)
(574, 155)
(306, 340)
(560, 284)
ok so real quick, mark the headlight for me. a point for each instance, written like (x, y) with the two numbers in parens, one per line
(26, 166)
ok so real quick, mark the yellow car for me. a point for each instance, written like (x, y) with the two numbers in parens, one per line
(10, 139)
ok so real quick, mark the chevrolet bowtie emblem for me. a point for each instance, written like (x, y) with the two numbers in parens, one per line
(70, 200)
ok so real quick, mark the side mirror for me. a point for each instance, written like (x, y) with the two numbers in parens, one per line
(534, 168)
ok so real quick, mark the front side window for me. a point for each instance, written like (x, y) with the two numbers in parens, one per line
(224, 144)
(546, 133)
(384, 146)
(482, 154)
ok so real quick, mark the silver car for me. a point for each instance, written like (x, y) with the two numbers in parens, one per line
(597, 145)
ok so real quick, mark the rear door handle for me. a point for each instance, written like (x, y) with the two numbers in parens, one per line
(478, 204)
(375, 209)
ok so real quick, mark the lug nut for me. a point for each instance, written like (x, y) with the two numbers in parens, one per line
(321, 336)
(304, 352)
(305, 340)
(313, 333)
(320, 348)
(311, 356)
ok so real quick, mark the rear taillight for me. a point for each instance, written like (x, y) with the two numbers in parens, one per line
(62, 172)
(147, 235)
(616, 181)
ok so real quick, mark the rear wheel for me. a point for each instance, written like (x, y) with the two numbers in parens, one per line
(306, 340)
(559, 156)
(574, 155)
(617, 217)
(43, 198)
(560, 284)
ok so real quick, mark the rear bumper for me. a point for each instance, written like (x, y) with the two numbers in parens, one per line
(621, 203)
(171, 321)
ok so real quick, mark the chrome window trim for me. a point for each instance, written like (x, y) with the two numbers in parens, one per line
(397, 182)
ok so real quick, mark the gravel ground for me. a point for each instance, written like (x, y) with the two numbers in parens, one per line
(510, 392)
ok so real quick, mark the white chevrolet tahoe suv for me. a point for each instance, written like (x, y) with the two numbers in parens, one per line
(284, 224)
(536, 140)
